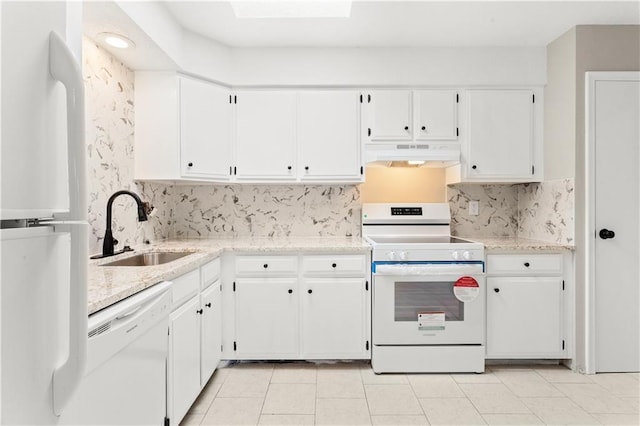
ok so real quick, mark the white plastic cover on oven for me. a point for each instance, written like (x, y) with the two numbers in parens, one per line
(401, 269)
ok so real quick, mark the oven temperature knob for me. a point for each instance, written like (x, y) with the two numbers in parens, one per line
(402, 255)
(455, 255)
(391, 255)
(466, 255)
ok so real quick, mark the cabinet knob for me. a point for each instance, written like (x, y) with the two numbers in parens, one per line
(306, 167)
(309, 291)
(208, 305)
(424, 128)
(474, 167)
(199, 311)
(406, 127)
(190, 164)
(265, 266)
(527, 264)
(333, 265)
(290, 291)
(497, 290)
(289, 167)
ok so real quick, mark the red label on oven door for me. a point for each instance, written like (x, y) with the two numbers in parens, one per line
(466, 289)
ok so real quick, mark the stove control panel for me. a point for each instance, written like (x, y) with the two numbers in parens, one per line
(406, 211)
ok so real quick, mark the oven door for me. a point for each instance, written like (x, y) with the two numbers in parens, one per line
(423, 304)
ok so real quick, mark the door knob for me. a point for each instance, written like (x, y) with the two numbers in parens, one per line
(606, 234)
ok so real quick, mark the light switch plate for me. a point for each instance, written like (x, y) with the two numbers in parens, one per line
(474, 208)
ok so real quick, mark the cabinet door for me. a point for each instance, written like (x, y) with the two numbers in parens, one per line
(184, 358)
(266, 312)
(524, 317)
(205, 130)
(500, 134)
(211, 331)
(390, 115)
(265, 135)
(334, 318)
(329, 136)
(436, 115)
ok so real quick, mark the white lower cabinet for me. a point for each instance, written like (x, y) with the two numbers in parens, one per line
(318, 308)
(266, 314)
(524, 317)
(333, 318)
(210, 331)
(184, 359)
(529, 306)
(195, 331)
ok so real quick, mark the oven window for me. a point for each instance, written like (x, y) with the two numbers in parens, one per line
(413, 297)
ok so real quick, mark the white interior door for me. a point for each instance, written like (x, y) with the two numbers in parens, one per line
(614, 108)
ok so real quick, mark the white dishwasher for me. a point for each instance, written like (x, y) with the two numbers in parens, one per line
(126, 363)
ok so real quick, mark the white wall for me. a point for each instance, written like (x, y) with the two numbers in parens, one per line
(560, 108)
(389, 66)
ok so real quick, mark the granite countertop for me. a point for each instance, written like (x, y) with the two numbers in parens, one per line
(523, 244)
(110, 284)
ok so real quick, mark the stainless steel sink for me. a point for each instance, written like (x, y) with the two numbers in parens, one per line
(150, 259)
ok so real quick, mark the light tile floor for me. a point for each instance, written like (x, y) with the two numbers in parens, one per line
(349, 393)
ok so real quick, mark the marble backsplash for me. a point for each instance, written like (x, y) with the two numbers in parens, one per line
(546, 211)
(541, 211)
(498, 210)
(266, 211)
(109, 138)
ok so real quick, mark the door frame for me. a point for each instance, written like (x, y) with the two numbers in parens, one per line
(591, 78)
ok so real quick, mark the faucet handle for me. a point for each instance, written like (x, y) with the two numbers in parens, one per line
(148, 208)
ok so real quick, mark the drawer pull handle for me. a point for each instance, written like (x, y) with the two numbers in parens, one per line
(208, 305)
(333, 265)
(526, 264)
(265, 266)
(309, 291)
(290, 291)
(199, 311)
(497, 290)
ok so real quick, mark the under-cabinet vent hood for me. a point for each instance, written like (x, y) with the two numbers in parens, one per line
(411, 154)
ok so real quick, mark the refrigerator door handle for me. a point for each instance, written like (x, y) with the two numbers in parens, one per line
(64, 67)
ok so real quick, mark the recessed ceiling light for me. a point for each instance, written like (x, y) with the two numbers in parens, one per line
(416, 162)
(292, 9)
(116, 40)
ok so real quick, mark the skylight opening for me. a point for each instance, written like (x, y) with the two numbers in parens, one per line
(270, 9)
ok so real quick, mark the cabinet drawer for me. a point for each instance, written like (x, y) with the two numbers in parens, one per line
(185, 287)
(210, 273)
(524, 263)
(328, 264)
(266, 265)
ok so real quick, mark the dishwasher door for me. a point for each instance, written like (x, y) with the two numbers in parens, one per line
(126, 363)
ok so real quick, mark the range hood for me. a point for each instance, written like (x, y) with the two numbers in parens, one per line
(411, 154)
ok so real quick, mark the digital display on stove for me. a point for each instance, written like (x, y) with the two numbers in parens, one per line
(406, 211)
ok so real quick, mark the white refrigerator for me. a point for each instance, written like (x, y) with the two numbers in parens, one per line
(43, 211)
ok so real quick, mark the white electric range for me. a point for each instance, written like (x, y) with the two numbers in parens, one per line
(428, 291)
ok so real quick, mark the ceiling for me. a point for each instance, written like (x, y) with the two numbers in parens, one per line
(407, 23)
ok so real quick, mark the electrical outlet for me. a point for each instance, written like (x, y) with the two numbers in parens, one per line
(474, 208)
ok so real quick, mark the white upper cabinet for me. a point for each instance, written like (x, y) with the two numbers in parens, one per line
(390, 115)
(181, 121)
(265, 135)
(328, 135)
(436, 115)
(500, 135)
(205, 130)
